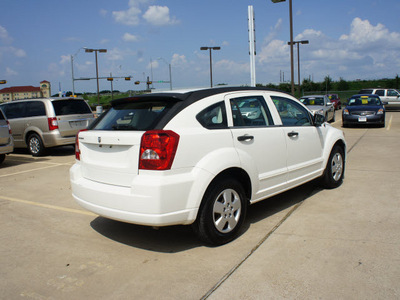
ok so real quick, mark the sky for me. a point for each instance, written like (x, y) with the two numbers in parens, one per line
(357, 39)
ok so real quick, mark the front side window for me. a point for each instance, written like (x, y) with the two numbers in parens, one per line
(250, 111)
(392, 93)
(291, 113)
(133, 116)
(213, 117)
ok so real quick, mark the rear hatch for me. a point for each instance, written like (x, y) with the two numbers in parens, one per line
(72, 115)
(109, 151)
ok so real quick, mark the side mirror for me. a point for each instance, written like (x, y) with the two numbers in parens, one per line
(328, 103)
(318, 119)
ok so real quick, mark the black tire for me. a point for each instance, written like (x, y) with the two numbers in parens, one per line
(222, 212)
(2, 158)
(35, 145)
(334, 172)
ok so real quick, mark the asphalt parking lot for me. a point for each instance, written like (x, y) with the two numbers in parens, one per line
(308, 243)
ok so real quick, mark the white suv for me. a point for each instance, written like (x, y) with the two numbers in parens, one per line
(389, 97)
(201, 157)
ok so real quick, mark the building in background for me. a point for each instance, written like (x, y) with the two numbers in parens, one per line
(25, 92)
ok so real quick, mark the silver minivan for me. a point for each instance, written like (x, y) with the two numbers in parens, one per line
(6, 140)
(38, 124)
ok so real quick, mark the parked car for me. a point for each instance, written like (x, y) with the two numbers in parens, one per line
(389, 97)
(196, 158)
(320, 104)
(6, 140)
(42, 123)
(335, 100)
(364, 109)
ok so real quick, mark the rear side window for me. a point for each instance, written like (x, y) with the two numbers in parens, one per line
(35, 109)
(213, 117)
(139, 116)
(380, 92)
(71, 107)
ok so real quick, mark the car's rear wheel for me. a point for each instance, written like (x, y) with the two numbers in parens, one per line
(35, 145)
(222, 212)
(334, 172)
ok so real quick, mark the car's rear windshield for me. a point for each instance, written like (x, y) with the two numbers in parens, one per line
(364, 100)
(143, 115)
(71, 107)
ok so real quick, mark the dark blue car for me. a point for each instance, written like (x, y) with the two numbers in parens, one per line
(364, 109)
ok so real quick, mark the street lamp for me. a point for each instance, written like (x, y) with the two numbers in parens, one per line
(291, 41)
(87, 50)
(210, 48)
(170, 74)
(72, 70)
(298, 57)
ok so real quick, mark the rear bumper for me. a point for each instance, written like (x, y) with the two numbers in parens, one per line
(54, 138)
(7, 148)
(151, 200)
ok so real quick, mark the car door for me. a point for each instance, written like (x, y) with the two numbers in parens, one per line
(392, 96)
(260, 144)
(304, 140)
(330, 108)
(15, 113)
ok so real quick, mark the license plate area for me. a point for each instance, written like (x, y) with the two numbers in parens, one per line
(362, 119)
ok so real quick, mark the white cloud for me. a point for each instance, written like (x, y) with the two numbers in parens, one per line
(127, 37)
(128, 17)
(367, 51)
(4, 35)
(178, 60)
(159, 16)
(10, 72)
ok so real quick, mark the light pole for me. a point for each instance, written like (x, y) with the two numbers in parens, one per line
(170, 74)
(291, 41)
(210, 48)
(87, 50)
(72, 70)
(298, 58)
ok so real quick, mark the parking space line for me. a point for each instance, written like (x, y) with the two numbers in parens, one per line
(31, 170)
(60, 208)
(390, 123)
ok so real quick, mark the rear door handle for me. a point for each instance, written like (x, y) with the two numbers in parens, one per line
(293, 134)
(245, 137)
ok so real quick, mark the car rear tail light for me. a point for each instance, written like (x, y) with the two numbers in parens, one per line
(77, 149)
(53, 124)
(9, 127)
(157, 149)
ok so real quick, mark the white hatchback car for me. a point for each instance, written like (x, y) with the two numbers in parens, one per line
(197, 158)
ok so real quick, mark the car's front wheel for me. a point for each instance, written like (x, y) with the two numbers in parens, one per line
(35, 145)
(334, 172)
(222, 212)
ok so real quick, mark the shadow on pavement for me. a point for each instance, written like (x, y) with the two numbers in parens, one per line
(173, 239)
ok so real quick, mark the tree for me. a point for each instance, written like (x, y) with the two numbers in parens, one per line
(326, 84)
(342, 85)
